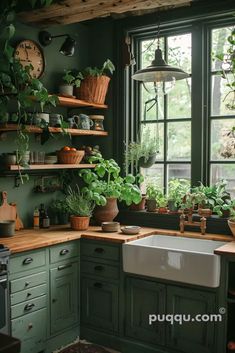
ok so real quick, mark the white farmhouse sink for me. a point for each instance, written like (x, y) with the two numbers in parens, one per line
(174, 258)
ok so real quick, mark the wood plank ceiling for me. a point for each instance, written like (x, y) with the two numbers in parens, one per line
(74, 11)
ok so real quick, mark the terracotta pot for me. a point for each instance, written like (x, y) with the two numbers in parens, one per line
(162, 210)
(151, 205)
(232, 226)
(79, 223)
(93, 89)
(139, 206)
(108, 212)
(206, 212)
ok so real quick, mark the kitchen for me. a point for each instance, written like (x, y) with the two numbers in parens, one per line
(147, 145)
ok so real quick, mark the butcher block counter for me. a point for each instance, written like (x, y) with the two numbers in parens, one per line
(30, 239)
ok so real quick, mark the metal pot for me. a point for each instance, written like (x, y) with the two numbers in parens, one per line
(7, 228)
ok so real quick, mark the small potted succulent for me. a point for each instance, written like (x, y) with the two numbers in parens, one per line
(70, 80)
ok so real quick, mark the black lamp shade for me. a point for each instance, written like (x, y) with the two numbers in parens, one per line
(68, 47)
(159, 71)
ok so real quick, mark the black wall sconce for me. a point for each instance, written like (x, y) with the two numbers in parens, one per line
(67, 48)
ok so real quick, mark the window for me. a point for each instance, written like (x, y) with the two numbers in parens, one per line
(192, 118)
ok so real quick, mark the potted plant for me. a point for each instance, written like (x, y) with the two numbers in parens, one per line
(81, 204)
(177, 188)
(69, 81)
(153, 193)
(105, 180)
(94, 84)
(162, 204)
(143, 152)
(231, 220)
(60, 210)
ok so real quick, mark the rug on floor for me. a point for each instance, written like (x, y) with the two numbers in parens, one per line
(80, 347)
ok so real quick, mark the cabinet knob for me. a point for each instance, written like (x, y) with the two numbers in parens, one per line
(27, 261)
(64, 252)
(98, 285)
(30, 326)
(27, 284)
(29, 306)
(29, 294)
(54, 300)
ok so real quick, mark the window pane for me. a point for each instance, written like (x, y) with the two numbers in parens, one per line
(220, 97)
(224, 171)
(179, 141)
(219, 45)
(154, 174)
(147, 49)
(179, 171)
(219, 138)
(179, 100)
(155, 131)
(179, 51)
(154, 111)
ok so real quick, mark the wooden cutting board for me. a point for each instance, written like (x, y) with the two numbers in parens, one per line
(19, 224)
(7, 212)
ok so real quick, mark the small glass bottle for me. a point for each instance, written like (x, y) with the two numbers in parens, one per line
(45, 220)
(41, 214)
(36, 218)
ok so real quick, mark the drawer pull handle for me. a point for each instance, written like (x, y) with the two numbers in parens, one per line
(99, 268)
(98, 285)
(99, 250)
(64, 252)
(63, 267)
(30, 326)
(27, 261)
(29, 307)
(27, 284)
(29, 294)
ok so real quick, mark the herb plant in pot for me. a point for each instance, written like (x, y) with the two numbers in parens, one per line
(94, 86)
(69, 81)
(177, 188)
(152, 194)
(231, 220)
(105, 180)
(162, 204)
(80, 207)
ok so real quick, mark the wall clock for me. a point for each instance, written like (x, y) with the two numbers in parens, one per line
(29, 52)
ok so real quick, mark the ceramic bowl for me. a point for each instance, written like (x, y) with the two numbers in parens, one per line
(110, 226)
(130, 230)
(51, 159)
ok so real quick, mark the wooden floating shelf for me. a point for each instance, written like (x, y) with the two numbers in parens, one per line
(51, 166)
(54, 130)
(76, 103)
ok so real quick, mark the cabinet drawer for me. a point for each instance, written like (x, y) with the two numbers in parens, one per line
(64, 251)
(31, 330)
(28, 306)
(28, 294)
(96, 250)
(27, 282)
(97, 269)
(27, 261)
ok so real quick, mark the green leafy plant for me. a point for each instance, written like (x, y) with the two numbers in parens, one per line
(191, 199)
(162, 201)
(213, 194)
(153, 192)
(79, 203)
(108, 67)
(144, 148)
(59, 206)
(106, 180)
(73, 79)
(177, 189)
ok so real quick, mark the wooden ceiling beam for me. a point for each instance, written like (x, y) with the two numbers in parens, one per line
(74, 11)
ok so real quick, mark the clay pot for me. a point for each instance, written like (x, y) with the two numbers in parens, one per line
(79, 223)
(151, 205)
(162, 210)
(206, 212)
(66, 90)
(139, 206)
(108, 212)
(232, 226)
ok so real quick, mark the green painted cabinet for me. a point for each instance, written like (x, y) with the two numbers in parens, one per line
(100, 304)
(64, 296)
(192, 336)
(143, 298)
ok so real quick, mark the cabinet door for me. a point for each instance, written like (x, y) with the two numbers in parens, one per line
(100, 304)
(64, 296)
(191, 336)
(143, 299)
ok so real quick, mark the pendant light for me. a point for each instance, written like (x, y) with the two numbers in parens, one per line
(159, 71)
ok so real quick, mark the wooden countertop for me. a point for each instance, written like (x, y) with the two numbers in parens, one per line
(30, 239)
